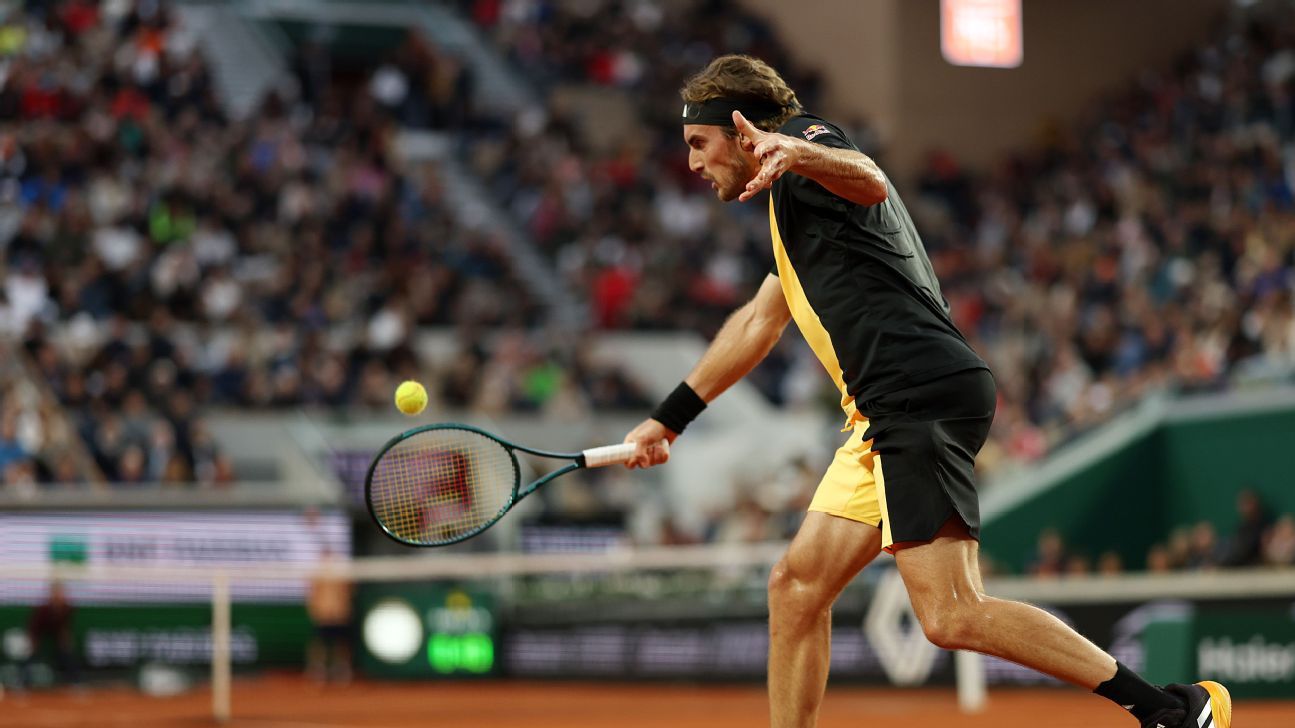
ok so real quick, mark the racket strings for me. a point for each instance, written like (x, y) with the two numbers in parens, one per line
(439, 485)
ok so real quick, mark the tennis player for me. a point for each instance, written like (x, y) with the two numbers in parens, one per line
(851, 270)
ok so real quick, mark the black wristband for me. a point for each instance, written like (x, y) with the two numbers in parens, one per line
(681, 407)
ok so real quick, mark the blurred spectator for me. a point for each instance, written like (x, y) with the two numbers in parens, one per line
(328, 604)
(1110, 564)
(514, 373)
(11, 450)
(801, 478)
(1050, 558)
(53, 639)
(1158, 560)
(1194, 549)
(1203, 553)
(747, 521)
(1078, 565)
(1180, 548)
(1245, 548)
(1279, 545)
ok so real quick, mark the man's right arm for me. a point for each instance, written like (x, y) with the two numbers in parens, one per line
(744, 341)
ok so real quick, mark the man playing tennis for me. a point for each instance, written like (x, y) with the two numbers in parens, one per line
(852, 272)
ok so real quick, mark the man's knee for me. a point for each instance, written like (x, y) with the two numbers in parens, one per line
(792, 593)
(782, 584)
(945, 631)
(954, 626)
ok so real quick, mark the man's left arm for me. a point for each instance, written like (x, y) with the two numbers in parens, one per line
(846, 173)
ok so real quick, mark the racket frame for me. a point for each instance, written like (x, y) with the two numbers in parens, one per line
(511, 448)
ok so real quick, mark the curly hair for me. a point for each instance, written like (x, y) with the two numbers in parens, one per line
(743, 77)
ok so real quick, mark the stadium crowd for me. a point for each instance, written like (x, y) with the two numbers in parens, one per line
(621, 215)
(288, 259)
(162, 258)
(1147, 246)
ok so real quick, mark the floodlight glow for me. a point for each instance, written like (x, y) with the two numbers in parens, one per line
(392, 631)
(985, 33)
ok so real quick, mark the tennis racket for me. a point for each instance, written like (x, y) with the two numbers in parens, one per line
(441, 484)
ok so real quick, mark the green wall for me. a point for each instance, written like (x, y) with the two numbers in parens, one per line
(1206, 462)
(1182, 472)
(1111, 503)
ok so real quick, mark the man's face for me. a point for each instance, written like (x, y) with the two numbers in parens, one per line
(719, 159)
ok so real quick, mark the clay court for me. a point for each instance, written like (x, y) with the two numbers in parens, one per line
(291, 702)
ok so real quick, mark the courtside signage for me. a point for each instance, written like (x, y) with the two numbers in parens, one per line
(162, 539)
(426, 631)
(115, 637)
(1253, 650)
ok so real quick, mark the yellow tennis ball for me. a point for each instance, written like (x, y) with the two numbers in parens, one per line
(411, 398)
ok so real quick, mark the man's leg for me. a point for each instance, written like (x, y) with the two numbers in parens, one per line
(943, 581)
(826, 554)
(317, 658)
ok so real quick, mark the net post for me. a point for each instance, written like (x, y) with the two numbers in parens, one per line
(220, 653)
(970, 671)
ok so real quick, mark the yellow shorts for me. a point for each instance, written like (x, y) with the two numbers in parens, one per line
(930, 434)
(854, 486)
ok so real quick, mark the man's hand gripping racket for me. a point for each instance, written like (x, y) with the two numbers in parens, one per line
(441, 484)
(651, 441)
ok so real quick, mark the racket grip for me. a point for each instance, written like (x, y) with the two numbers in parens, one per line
(596, 457)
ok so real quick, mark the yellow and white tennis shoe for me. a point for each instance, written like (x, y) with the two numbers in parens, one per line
(1209, 705)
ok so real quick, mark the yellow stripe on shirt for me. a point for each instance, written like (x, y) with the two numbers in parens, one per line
(808, 322)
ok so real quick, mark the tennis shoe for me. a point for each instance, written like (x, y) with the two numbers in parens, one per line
(1207, 705)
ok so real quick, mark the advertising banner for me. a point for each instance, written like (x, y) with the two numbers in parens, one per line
(426, 631)
(109, 637)
(1248, 644)
(172, 539)
(1251, 650)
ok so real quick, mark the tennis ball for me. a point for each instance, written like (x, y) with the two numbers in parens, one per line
(411, 398)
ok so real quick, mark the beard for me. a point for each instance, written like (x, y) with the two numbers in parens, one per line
(731, 177)
(732, 185)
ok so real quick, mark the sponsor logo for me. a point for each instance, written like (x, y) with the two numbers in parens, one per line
(173, 646)
(67, 548)
(895, 634)
(815, 130)
(1256, 660)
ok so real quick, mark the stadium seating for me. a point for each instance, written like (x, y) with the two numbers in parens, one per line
(162, 259)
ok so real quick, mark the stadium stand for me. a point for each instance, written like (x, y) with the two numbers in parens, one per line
(164, 259)
(1144, 248)
(187, 287)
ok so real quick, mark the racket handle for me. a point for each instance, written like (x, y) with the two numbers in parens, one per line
(596, 457)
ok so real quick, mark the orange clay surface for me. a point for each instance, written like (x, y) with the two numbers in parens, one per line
(289, 701)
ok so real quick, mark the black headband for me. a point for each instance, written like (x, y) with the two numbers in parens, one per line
(719, 112)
